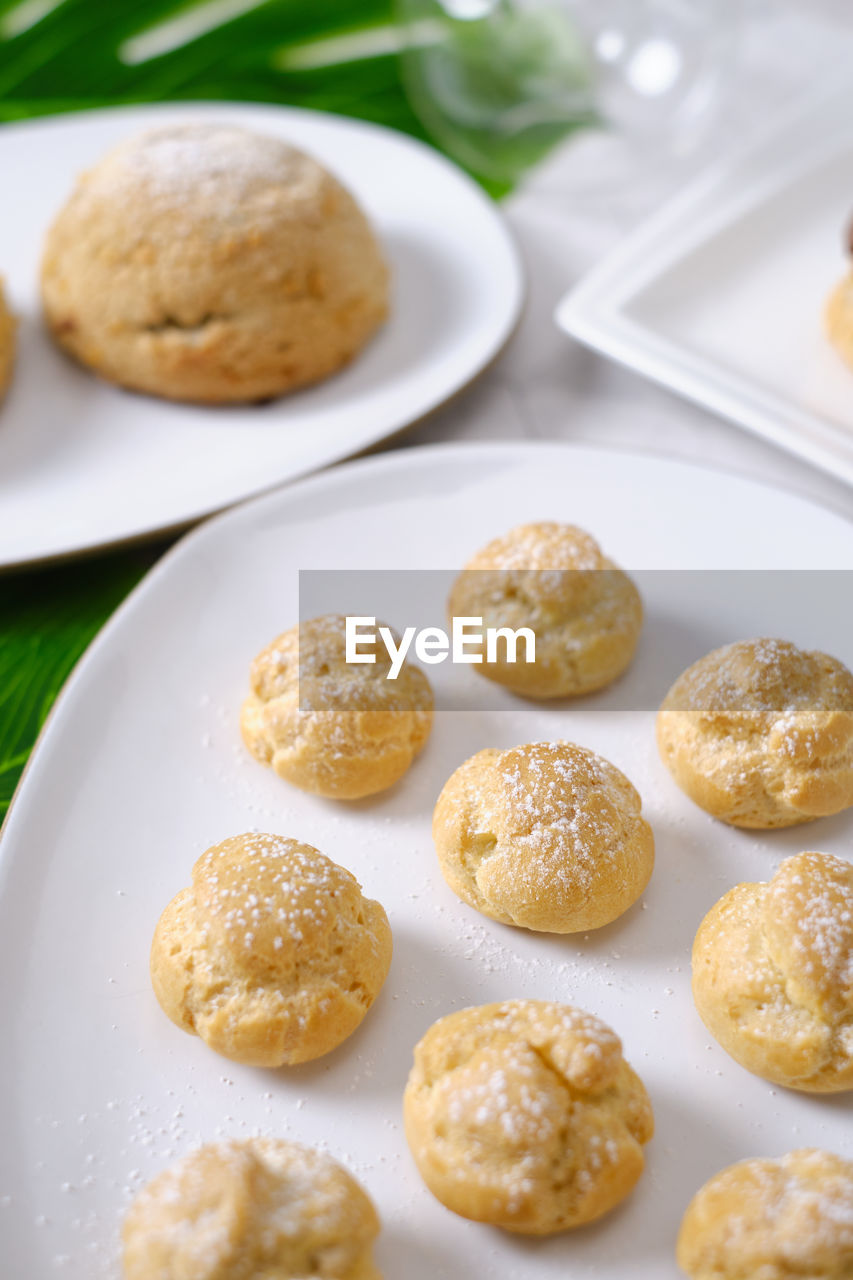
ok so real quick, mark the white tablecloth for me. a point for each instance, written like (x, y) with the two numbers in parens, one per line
(544, 386)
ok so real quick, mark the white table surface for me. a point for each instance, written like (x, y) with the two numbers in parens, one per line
(545, 386)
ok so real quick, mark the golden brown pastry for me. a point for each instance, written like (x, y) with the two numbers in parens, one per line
(525, 1115)
(839, 314)
(585, 613)
(760, 734)
(773, 974)
(7, 344)
(206, 262)
(256, 1209)
(272, 955)
(335, 728)
(785, 1219)
(547, 835)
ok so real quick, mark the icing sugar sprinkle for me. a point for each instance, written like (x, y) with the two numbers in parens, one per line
(196, 163)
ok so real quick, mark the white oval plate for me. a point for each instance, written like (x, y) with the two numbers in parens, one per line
(84, 464)
(141, 767)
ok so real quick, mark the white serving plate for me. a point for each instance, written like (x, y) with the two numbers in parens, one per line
(84, 464)
(720, 295)
(141, 767)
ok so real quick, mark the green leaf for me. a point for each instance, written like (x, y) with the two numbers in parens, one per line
(47, 619)
(71, 59)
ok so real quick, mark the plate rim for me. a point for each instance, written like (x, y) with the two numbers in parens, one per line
(330, 477)
(594, 311)
(510, 320)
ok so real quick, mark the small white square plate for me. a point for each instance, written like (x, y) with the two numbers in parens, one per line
(721, 294)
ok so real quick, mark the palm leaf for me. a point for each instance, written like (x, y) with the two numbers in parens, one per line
(46, 621)
(71, 58)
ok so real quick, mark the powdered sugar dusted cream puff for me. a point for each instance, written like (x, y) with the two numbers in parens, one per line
(785, 1219)
(338, 729)
(773, 974)
(760, 734)
(273, 955)
(242, 1210)
(525, 1115)
(547, 835)
(554, 579)
(208, 262)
